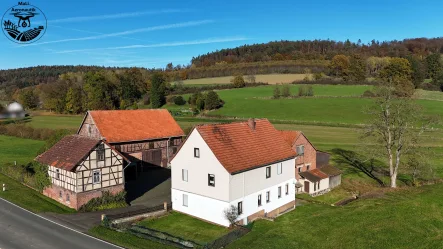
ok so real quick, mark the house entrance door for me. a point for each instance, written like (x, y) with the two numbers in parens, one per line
(306, 187)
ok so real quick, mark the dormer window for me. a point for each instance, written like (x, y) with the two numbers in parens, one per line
(197, 152)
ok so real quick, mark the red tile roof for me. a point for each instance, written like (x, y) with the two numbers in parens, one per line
(238, 147)
(136, 125)
(68, 152)
(290, 136)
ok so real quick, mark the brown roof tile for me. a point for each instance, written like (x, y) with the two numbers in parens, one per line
(136, 125)
(330, 170)
(314, 175)
(290, 136)
(238, 147)
(68, 152)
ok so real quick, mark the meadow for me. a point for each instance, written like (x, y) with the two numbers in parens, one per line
(18, 149)
(265, 78)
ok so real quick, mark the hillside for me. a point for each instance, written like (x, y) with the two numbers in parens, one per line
(318, 50)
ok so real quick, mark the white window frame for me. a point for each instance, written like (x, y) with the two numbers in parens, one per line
(57, 174)
(240, 208)
(185, 200)
(300, 150)
(101, 149)
(287, 188)
(268, 196)
(185, 175)
(279, 192)
(259, 200)
(308, 166)
(197, 152)
(94, 181)
(279, 168)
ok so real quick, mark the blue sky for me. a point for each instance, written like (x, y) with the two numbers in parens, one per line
(153, 33)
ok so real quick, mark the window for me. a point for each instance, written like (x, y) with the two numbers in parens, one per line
(88, 126)
(185, 200)
(211, 180)
(197, 152)
(299, 169)
(301, 150)
(315, 186)
(318, 185)
(67, 198)
(57, 173)
(240, 208)
(307, 167)
(185, 175)
(268, 172)
(287, 189)
(268, 197)
(259, 200)
(60, 195)
(96, 177)
(279, 192)
(101, 152)
(279, 168)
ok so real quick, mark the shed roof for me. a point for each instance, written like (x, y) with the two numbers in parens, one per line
(135, 125)
(314, 175)
(330, 170)
(242, 146)
(68, 152)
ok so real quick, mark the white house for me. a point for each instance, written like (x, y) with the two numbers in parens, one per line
(244, 164)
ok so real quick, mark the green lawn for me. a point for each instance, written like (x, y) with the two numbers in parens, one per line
(56, 121)
(186, 227)
(125, 240)
(18, 149)
(409, 218)
(29, 198)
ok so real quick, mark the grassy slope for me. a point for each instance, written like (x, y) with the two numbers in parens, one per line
(18, 149)
(125, 240)
(56, 121)
(405, 219)
(266, 78)
(186, 227)
(30, 199)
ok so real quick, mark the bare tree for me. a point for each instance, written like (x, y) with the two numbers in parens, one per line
(231, 214)
(395, 127)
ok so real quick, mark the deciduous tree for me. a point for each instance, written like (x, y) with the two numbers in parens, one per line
(158, 90)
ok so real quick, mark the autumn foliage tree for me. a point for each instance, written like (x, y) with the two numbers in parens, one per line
(339, 65)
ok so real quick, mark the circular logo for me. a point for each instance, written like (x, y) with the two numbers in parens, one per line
(24, 23)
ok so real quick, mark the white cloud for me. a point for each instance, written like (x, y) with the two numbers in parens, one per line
(168, 44)
(115, 16)
(128, 32)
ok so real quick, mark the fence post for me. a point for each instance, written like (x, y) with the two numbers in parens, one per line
(4, 187)
(165, 206)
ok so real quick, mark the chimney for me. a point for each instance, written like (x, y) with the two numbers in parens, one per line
(252, 123)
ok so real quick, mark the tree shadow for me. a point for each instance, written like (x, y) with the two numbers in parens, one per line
(372, 168)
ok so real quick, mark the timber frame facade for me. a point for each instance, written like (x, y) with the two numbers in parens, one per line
(100, 170)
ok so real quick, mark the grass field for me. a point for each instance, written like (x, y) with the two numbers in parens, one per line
(185, 226)
(265, 78)
(29, 199)
(56, 121)
(18, 149)
(409, 218)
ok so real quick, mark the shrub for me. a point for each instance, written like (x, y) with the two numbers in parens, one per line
(147, 99)
(286, 92)
(276, 94)
(238, 81)
(106, 201)
(179, 100)
(231, 214)
(200, 102)
(304, 90)
(32, 174)
(368, 94)
(310, 91)
(170, 99)
(319, 76)
(212, 101)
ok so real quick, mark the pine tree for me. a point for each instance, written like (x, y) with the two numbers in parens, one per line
(158, 90)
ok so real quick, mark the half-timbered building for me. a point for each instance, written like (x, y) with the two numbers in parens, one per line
(147, 137)
(81, 168)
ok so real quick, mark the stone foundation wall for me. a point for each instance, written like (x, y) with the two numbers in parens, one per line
(253, 217)
(76, 200)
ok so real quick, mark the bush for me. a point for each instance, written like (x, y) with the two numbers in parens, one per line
(106, 201)
(304, 90)
(26, 131)
(368, 94)
(310, 91)
(238, 81)
(319, 76)
(276, 94)
(212, 101)
(286, 92)
(147, 99)
(170, 99)
(179, 100)
(32, 174)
